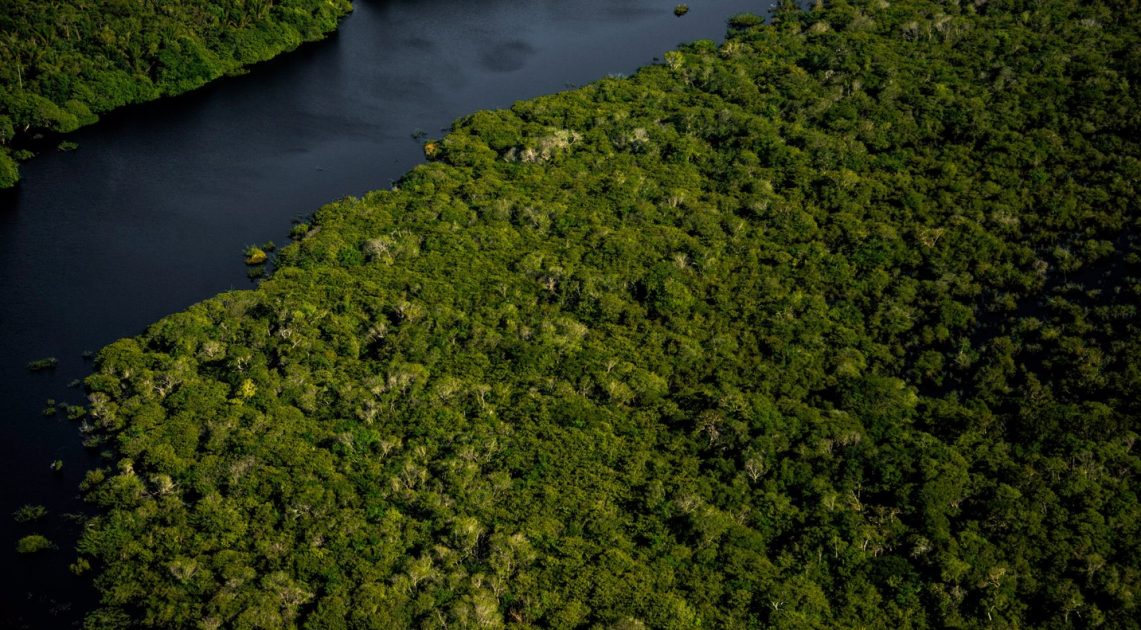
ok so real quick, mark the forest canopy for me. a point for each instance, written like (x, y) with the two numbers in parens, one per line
(63, 62)
(831, 325)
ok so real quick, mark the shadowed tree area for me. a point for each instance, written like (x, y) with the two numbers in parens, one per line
(832, 325)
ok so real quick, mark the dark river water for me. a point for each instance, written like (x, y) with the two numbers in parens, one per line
(151, 214)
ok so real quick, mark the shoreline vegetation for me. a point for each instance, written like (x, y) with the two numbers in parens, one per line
(831, 325)
(63, 63)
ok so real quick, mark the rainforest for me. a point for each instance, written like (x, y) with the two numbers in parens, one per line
(833, 324)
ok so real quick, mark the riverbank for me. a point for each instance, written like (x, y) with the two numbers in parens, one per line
(63, 64)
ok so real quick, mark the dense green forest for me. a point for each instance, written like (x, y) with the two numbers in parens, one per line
(833, 325)
(65, 61)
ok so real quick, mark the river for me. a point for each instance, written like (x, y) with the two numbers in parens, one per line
(152, 212)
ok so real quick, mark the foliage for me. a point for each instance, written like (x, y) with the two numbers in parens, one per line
(28, 513)
(255, 255)
(832, 325)
(63, 62)
(33, 543)
(46, 363)
(9, 170)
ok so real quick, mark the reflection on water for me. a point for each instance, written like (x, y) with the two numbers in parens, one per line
(506, 56)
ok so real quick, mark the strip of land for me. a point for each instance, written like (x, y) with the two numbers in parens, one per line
(64, 62)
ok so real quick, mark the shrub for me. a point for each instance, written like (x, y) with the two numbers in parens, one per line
(28, 513)
(34, 543)
(255, 255)
(46, 363)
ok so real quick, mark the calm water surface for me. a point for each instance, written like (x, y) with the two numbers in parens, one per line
(151, 214)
